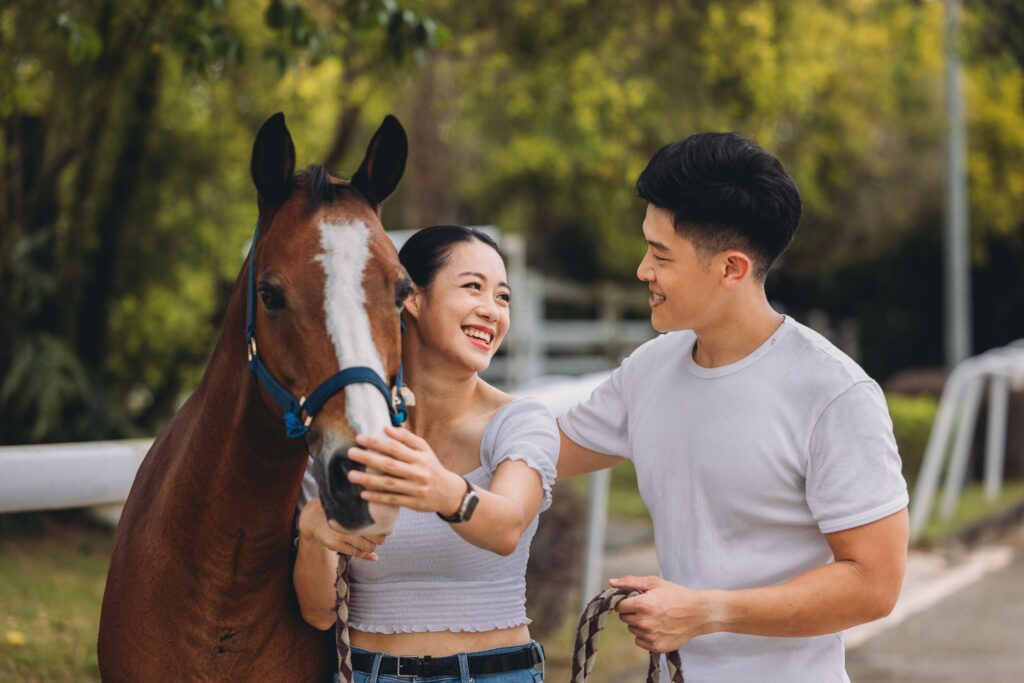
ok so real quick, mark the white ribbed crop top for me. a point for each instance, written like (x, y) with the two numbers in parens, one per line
(428, 578)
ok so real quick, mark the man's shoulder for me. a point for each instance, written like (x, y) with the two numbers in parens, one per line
(816, 360)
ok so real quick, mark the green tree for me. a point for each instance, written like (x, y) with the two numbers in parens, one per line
(126, 133)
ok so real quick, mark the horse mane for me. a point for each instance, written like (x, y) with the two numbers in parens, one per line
(321, 190)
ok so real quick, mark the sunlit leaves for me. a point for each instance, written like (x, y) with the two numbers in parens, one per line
(82, 39)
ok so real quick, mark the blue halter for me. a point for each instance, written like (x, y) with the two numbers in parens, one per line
(295, 425)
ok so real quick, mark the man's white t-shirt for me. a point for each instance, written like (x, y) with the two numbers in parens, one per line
(743, 469)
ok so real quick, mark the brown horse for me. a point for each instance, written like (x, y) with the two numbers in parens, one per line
(200, 582)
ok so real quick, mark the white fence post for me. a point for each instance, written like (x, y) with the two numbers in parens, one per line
(961, 455)
(597, 524)
(995, 435)
(958, 407)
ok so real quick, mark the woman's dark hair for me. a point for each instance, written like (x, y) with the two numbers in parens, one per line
(428, 250)
(725, 192)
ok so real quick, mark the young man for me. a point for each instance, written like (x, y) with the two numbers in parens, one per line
(764, 454)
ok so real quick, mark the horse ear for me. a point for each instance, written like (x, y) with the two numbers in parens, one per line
(273, 161)
(384, 162)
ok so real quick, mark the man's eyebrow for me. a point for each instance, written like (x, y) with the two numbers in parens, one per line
(659, 246)
(483, 277)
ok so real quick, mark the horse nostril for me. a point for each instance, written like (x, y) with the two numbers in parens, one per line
(338, 467)
(340, 497)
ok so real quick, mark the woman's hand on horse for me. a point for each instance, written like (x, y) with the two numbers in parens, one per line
(314, 526)
(408, 473)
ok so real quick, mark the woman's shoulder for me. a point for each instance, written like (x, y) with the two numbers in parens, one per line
(520, 419)
(502, 405)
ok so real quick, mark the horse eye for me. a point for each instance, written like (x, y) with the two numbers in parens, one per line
(272, 297)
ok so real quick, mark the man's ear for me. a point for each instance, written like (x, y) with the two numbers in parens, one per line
(736, 267)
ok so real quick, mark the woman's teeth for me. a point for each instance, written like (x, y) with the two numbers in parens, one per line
(474, 333)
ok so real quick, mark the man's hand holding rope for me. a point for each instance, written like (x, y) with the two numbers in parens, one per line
(667, 616)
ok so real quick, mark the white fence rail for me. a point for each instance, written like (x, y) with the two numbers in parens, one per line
(68, 475)
(57, 476)
(949, 444)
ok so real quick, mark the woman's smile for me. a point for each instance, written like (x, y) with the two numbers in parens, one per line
(479, 335)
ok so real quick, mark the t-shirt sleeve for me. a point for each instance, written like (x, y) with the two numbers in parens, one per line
(526, 432)
(601, 423)
(854, 476)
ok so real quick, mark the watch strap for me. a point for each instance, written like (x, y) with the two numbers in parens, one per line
(466, 508)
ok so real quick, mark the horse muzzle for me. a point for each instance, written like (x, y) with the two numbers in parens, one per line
(340, 498)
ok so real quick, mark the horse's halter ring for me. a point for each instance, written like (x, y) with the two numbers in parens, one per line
(295, 425)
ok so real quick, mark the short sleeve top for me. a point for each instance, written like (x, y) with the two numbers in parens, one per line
(428, 578)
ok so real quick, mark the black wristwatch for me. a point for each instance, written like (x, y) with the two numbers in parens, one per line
(465, 510)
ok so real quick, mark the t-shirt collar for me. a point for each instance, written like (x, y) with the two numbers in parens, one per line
(753, 356)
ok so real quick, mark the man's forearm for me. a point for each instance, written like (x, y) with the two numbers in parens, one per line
(827, 599)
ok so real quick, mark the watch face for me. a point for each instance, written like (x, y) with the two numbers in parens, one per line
(470, 504)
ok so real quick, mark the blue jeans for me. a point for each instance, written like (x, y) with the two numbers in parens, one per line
(531, 675)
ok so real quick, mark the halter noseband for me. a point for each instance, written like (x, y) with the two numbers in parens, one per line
(295, 425)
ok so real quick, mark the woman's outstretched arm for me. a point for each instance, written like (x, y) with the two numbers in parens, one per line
(410, 475)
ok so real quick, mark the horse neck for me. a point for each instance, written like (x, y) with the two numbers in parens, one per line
(237, 462)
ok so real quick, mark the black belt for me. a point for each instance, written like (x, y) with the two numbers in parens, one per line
(479, 665)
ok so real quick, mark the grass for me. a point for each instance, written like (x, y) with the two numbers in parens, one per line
(53, 570)
(973, 508)
(618, 657)
(624, 500)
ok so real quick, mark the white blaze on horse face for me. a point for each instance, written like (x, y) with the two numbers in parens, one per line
(346, 250)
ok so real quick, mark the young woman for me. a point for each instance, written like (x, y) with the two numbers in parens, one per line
(475, 467)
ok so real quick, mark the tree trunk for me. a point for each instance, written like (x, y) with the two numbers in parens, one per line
(112, 216)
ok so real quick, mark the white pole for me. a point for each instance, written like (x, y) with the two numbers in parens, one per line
(935, 453)
(597, 523)
(957, 237)
(995, 435)
(957, 473)
(522, 316)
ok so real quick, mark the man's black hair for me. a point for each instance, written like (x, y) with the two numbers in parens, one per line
(724, 192)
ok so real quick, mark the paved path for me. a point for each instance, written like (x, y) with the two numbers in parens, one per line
(973, 635)
(959, 619)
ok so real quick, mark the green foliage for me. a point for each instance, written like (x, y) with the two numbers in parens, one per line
(973, 508)
(126, 134)
(624, 499)
(43, 377)
(127, 128)
(912, 418)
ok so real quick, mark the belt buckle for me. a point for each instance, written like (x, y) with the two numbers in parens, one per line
(411, 662)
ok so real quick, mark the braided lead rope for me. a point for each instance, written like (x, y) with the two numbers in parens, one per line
(341, 629)
(592, 623)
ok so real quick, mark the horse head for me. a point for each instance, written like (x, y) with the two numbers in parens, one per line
(329, 290)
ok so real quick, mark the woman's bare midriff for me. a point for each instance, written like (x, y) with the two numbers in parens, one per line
(439, 643)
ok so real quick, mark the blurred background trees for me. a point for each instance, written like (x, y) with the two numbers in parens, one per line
(125, 202)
